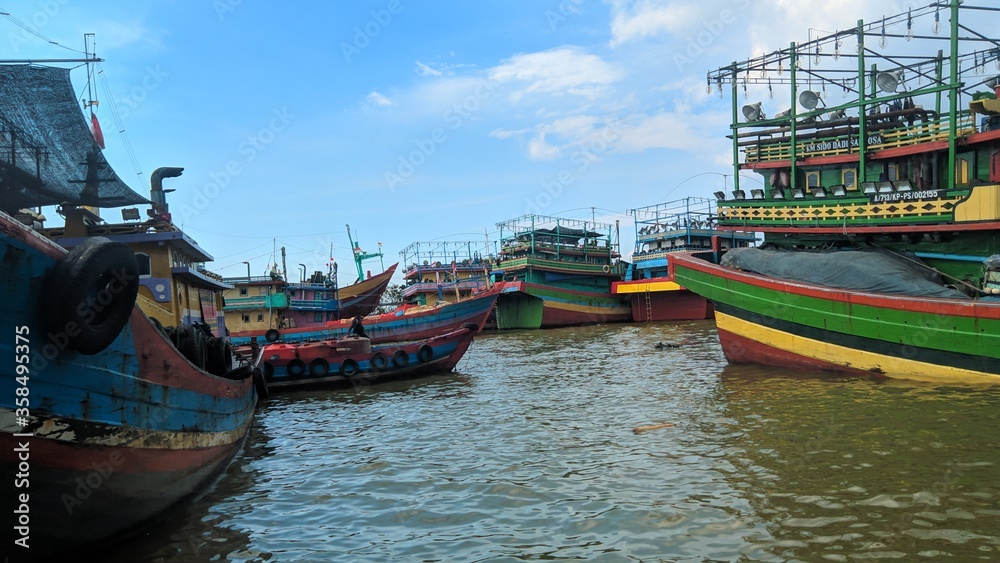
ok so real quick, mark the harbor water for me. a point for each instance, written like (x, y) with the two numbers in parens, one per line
(528, 451)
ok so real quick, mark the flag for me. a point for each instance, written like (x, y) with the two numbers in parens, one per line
(95, 128)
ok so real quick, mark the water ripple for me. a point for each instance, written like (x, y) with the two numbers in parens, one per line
(528, 452)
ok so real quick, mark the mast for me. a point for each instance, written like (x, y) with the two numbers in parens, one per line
(955, 90)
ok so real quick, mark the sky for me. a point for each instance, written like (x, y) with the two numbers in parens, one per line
(412, 121)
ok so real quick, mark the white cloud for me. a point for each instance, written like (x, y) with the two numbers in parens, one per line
(645, 18)
(539, 149)
(378, 99)
(565, 70)
(424, 70)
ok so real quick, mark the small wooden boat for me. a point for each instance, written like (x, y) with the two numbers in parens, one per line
(353, 359)
(409, 322)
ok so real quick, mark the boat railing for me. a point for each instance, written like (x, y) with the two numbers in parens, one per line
(923, 131)
(564, 263)
(433, 287)
(836, 212)
(252, 279)
(273, 301)
(313, 305)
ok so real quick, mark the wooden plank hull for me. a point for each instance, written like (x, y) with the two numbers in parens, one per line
(108, 440)
(798, 325)
(408, 323)
(363, 297)
(528, 305)
(426, 356)
(662, 299)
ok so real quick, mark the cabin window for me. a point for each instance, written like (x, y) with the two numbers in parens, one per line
(812, 179)
(317, 317)
(243, 291)
(246, 318)
(849, 177)
(144, 268)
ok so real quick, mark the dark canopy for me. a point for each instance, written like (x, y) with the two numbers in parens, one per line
(44, 145)
(869, 269)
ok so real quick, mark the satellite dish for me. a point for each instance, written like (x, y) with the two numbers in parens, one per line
(809, 99)
(888, 81)
(786, 113)
(753, 112)
(992, 82)
(837, 114)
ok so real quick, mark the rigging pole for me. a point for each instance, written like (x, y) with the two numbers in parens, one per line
(360, 256)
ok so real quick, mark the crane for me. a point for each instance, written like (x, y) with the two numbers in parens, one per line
(360, 256)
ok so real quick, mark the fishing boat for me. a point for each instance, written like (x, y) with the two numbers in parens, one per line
(557, 272)
(353, 360)
(257, 304)
(444, 271)
(105, 422)
(881, 214)
(407, 322)
(661, 231)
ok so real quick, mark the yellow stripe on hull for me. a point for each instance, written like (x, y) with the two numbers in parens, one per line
(589, 309)
(889, 366)
(643, 287)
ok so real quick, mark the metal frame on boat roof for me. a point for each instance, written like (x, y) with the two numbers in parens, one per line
(531, 222)
(428, 252)
(933, 75)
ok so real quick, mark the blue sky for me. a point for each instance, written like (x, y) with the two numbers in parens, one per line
(413, 121)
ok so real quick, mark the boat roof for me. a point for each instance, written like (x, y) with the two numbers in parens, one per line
(174, 238)
(46, 144)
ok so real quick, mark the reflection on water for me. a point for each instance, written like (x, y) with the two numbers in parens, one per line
(527, 452)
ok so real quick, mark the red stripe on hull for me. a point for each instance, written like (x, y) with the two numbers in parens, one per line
(161, 363)
(82, 458)
(680, 305)
(74, 508)
(552, 318)
(742, 350)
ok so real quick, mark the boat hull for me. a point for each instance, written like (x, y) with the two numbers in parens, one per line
(433, 355)
(528, 305)
(805, 326)
(110, 440)
(406, 323)
(661, 299)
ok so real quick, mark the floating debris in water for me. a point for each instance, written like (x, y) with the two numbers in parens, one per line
(639, 429)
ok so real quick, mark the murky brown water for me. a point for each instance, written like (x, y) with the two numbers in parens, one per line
(528, 452)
